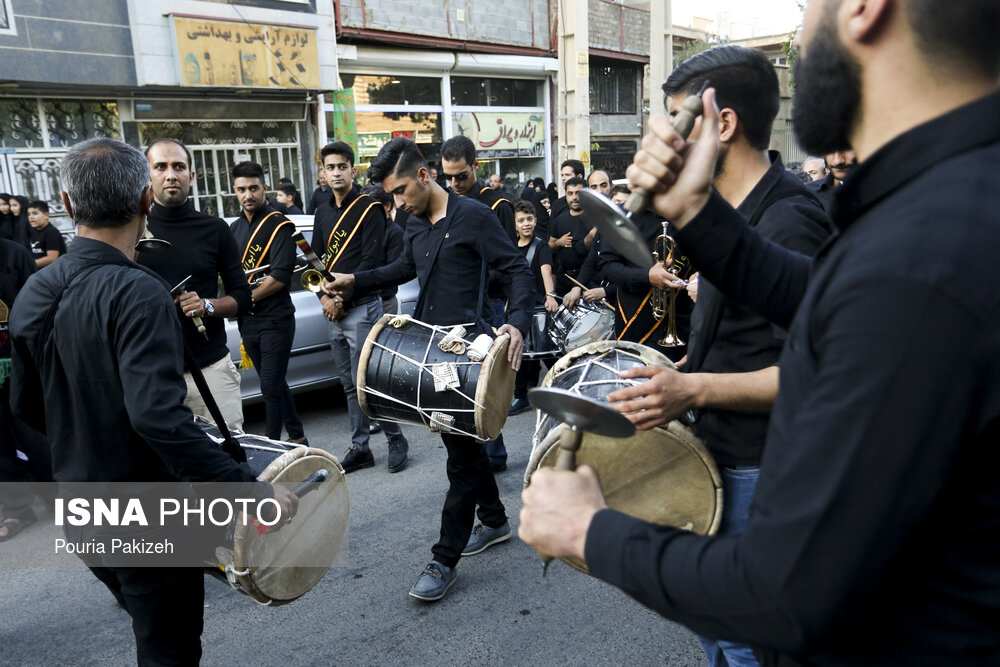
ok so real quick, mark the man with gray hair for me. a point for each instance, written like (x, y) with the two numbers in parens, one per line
(815, 168)
(101, 371)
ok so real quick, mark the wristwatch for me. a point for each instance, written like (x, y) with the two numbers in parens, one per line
(209, 307)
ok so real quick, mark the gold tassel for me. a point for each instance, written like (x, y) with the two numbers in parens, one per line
(245, 361)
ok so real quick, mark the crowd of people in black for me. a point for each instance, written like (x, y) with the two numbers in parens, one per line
(858, 471)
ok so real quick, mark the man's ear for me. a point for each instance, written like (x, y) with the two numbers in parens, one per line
(728, 124)
(65, 201)
(866, 18)
(145, 203)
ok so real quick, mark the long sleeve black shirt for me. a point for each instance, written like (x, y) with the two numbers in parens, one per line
(319, 197)
(874, 535)
(451, 294)
(280, 256)
(727, 337)
(391, 250)
(499, 204)
(366, 247)
(106, 382)
(201, 247)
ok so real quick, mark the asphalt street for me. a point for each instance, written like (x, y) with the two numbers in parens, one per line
(500, 610)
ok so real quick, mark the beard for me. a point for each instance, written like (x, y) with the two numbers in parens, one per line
(827, 92)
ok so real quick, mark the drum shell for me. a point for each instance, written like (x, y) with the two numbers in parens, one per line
(664, 475)
(389, 362)
(540, 344)
(585, 324)
(314, 536)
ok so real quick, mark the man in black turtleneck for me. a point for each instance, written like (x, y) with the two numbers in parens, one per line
(201, 247)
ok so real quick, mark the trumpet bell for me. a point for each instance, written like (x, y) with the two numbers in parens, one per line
(312, 280)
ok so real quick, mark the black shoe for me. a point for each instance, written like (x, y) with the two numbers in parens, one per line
(517, 406)
(398, 449)
(374, 427)
(355, 459)
(498, 467)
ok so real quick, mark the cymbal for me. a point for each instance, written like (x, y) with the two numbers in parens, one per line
(585, 414)
(616, 227)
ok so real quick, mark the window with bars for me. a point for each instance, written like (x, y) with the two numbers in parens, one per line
(613, 89)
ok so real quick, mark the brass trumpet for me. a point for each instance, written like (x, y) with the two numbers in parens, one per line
(312, 280)
(664, 301)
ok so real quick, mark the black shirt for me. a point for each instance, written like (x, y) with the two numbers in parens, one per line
(824, 189)
(111, 392)
(541, 257)
(558, 206)
(15, 267)
(392, 249)
(727, 337)
(40, 241)
(366, 246)
(201, 247)
(874, 535)
(569, 260)
(319, 197)
(499, 203)
(280, 256)
(451, 293)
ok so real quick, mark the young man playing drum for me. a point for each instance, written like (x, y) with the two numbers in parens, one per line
(449, 243)
(873, 536)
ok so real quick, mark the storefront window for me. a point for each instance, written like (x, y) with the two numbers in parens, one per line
(375, 129)
(397, 90)
(480, 92)
(502, 135)
(207, 133)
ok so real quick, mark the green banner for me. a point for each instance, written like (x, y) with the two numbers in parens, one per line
(345, 122)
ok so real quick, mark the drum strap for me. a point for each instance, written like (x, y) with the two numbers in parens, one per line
(229, 445)
(535, 242)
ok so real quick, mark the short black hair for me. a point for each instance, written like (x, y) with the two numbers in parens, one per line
(287, 188)
(576, 180)
(169, 140)
(337, 148)
(962, 32)
(744, 81)
(458, 148)
(522, 206)
(620, 189)
(576, 165)
(39, 204)
(248, 170)
(400, 156)
(377, 193)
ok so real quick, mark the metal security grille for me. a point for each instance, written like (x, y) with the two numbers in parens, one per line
(212, 190)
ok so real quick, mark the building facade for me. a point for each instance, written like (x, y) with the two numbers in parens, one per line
(234, 82)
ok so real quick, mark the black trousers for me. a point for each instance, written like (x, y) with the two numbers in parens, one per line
(167, 607)
(269, 344)
(471, 483)
(16, 476)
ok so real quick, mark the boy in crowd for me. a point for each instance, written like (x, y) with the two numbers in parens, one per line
(44, 240)
(285, 195)
(539, 258)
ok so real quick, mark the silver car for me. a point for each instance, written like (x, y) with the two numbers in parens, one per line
(310, 365)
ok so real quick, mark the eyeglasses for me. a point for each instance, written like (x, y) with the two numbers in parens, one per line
(459, 176)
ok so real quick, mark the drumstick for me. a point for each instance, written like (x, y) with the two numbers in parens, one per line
(604, 302)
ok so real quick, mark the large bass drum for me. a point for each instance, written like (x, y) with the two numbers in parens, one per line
(275, 568)
(663, 475)
(404, 376)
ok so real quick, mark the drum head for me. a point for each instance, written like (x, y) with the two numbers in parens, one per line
(494, 390)
(594, 324)
(296, 557)
(664, 476)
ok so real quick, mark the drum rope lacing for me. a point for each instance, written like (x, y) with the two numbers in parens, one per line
(587, 366)
(424, 367)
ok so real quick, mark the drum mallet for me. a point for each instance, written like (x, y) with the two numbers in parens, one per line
(176, 292)
(581, 415)
(617, 227)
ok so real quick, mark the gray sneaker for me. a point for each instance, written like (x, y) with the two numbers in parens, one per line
(484, 537)
(433, 582)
